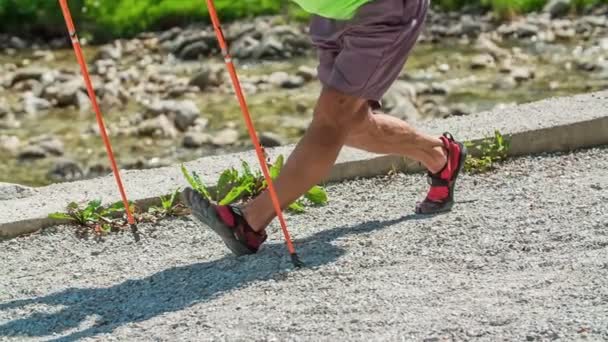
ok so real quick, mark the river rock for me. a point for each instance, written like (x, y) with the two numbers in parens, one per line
(9, 143)
(483, 61)
(33, 104)
(270, 139)
(65, 170)
(9, 121)
(521, 74)
(4, 107)
(10, 191)
(110, 52)
(184, 112)
(505, 83)
(32, 152)
(17, 43)
(209, 77)
(194, 51)
(227, 136)
(196, 139)
(399, 101)
(557, 8)
(284, 80)
(31, 73)
(485, 44)
(44, 55)
(159, 126)
(244, 47)
(307, 73)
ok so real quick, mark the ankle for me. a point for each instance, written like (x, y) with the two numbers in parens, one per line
(440, 159)
(254, 222)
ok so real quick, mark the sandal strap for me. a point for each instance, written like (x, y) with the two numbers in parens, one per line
(435, 180)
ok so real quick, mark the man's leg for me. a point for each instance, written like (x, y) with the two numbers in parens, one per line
(336, 114)
(385, 134)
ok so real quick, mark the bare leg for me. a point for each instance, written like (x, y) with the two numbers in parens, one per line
(335, 116)
(385, 134)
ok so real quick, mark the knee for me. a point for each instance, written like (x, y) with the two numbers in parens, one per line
(340, 110)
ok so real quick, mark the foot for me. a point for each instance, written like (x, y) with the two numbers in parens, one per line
(227, 221)
(440, 197)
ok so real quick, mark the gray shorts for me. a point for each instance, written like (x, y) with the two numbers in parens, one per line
(363, 56)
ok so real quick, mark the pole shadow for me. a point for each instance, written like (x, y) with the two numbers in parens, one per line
(172, 289)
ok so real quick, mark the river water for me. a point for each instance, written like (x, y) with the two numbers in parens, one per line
(447, 65)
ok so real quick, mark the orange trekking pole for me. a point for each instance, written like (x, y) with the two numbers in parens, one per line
(102, 128)
(252, 133)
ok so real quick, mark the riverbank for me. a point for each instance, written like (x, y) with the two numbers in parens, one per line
(166, 97)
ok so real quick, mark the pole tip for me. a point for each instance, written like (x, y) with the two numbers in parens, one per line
(135, 232)
(295, 259)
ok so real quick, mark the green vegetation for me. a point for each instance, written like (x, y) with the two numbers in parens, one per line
(169, 206)
(93, 215)
(490, 151)
(120, 18)
(101, 220)
(234, 186)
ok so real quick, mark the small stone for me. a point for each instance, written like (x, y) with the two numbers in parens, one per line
(444, 67)
(32, 152)
(194, 51)
(278, 78)
(505, 83)
(482, 61)
(208, 77)
(65, 170)
(557, 8)
(307, 73)
(17, 43)
(522, 74)
(160, 126)
(52, 146)
(111, 52)
(269, 139)
(33, 104)
(226, 137)
(9, 143)
(196, 139)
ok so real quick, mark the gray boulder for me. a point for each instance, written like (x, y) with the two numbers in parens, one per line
(65, 170)
(557, 8)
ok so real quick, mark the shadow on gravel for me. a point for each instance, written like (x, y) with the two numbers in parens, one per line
(171, 290)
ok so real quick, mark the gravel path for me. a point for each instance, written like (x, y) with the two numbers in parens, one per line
(524, 256)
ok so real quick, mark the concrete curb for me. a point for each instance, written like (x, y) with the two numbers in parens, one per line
(553, 125)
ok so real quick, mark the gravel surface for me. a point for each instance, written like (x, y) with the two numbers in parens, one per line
(524, 256)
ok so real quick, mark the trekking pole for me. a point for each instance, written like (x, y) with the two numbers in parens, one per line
(102, 128)
(252, 133)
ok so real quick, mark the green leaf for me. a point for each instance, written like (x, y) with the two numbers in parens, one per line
(317, 195)
(246, 169)
(106, 228)
(297, 207)
(174, 197)
(235, 194)
(226, 181)
(275, 169)
(201, 186)
(61, 216)
(189, 178)
(116, 207)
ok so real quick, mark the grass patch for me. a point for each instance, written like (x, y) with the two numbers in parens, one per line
(236, 186)
(490, 151)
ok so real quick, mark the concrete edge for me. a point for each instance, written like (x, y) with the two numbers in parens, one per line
(561, 138)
